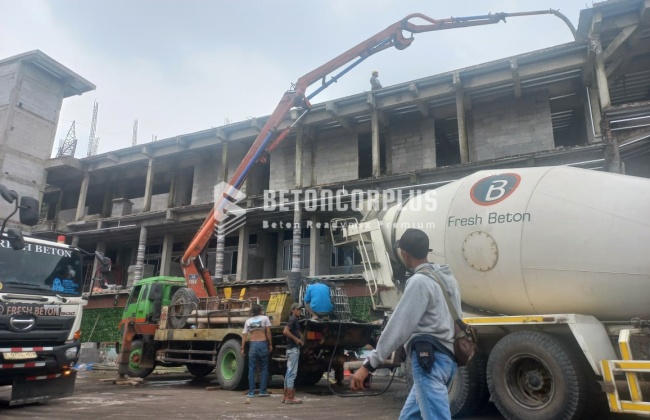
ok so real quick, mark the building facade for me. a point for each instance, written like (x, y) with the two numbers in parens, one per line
(584, 103)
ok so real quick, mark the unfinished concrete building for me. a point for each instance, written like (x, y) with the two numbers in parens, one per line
(584, 103)
(32, 88)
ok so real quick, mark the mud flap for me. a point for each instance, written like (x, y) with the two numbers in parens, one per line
(29, 391)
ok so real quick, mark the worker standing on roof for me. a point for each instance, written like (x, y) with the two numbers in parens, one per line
(374, 81)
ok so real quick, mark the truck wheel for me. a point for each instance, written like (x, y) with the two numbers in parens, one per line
(468, 393)
(199, 370)
(138, 350)
(183, 303)
(231, 366)
(534, 376)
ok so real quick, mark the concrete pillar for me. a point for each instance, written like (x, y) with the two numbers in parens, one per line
(314, 248)
(299, 140)
(96, 277)
(224, 163)
(83, 193)
(461, 118)
(242, 254)
(139, 260)
(601, 77)
(75, 241)
(171, 198)
(376, 150)
(462, 128)
(166, 258)
(594, 115)
(218, 265)
(148, 188)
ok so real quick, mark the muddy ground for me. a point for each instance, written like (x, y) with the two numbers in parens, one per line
(178, 395)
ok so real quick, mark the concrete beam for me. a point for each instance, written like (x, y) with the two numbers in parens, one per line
(113, 157)
(222, 136)
(182, 142)
(516, 80)
(147, 151)
(615, 45)
(257, 124)
(171, 216)
(333, 110)
(370, 100)
(414, 91)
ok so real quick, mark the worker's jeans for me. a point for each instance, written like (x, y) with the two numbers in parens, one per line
(428, 398)
(292, 367)
(258, 351)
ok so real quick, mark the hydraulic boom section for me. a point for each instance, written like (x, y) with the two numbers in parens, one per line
(398, 35)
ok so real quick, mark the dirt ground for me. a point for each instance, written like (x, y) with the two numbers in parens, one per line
(165, 396)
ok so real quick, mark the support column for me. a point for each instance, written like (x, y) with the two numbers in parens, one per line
(166, 257)
(601, 77)
(266, 247)
(299, 140)
(593, 116)
(376, 157)
(314, 248)
(296, 254)
(171, 198)
(460, 115)
(223, 176)
(242, 254)
(75, 241)
(95, 282)
(139, 259)
(148, 188)
(83, 193)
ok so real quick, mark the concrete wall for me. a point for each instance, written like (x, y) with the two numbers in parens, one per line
(413, 146)
(336, 158)
(514, 127)
(206, 175)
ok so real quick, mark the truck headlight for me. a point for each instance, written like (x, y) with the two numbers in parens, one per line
(71, 353)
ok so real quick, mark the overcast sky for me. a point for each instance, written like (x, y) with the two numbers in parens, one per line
(183, 66)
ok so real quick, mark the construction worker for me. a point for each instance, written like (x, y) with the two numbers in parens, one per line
(374, 81)
(294, 342)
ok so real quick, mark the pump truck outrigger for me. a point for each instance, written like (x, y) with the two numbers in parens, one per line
(40, 309)
(160, 310)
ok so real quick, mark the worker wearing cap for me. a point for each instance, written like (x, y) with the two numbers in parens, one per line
(294, 342)
(421, 320)
(374, 81)
(317, 299)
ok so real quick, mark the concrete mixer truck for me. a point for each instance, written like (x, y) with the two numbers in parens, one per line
(554, 269)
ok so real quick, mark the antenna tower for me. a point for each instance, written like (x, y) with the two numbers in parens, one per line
(93, 142)
(134, 140)
(68, 146)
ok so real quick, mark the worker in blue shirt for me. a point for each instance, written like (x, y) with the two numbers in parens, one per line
(317, 299)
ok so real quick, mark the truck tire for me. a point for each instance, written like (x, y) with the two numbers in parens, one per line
(232, 367)
(535, 376)
(183, 303)
(134, 370)
(468, 393)
(199, 370)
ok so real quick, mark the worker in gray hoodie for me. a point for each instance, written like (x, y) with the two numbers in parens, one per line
(423, 324)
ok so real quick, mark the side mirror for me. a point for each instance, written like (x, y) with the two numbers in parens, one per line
(7, 194)
(16, 239)
(29, 211)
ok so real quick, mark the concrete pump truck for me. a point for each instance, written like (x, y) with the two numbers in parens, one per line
(187, 321)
